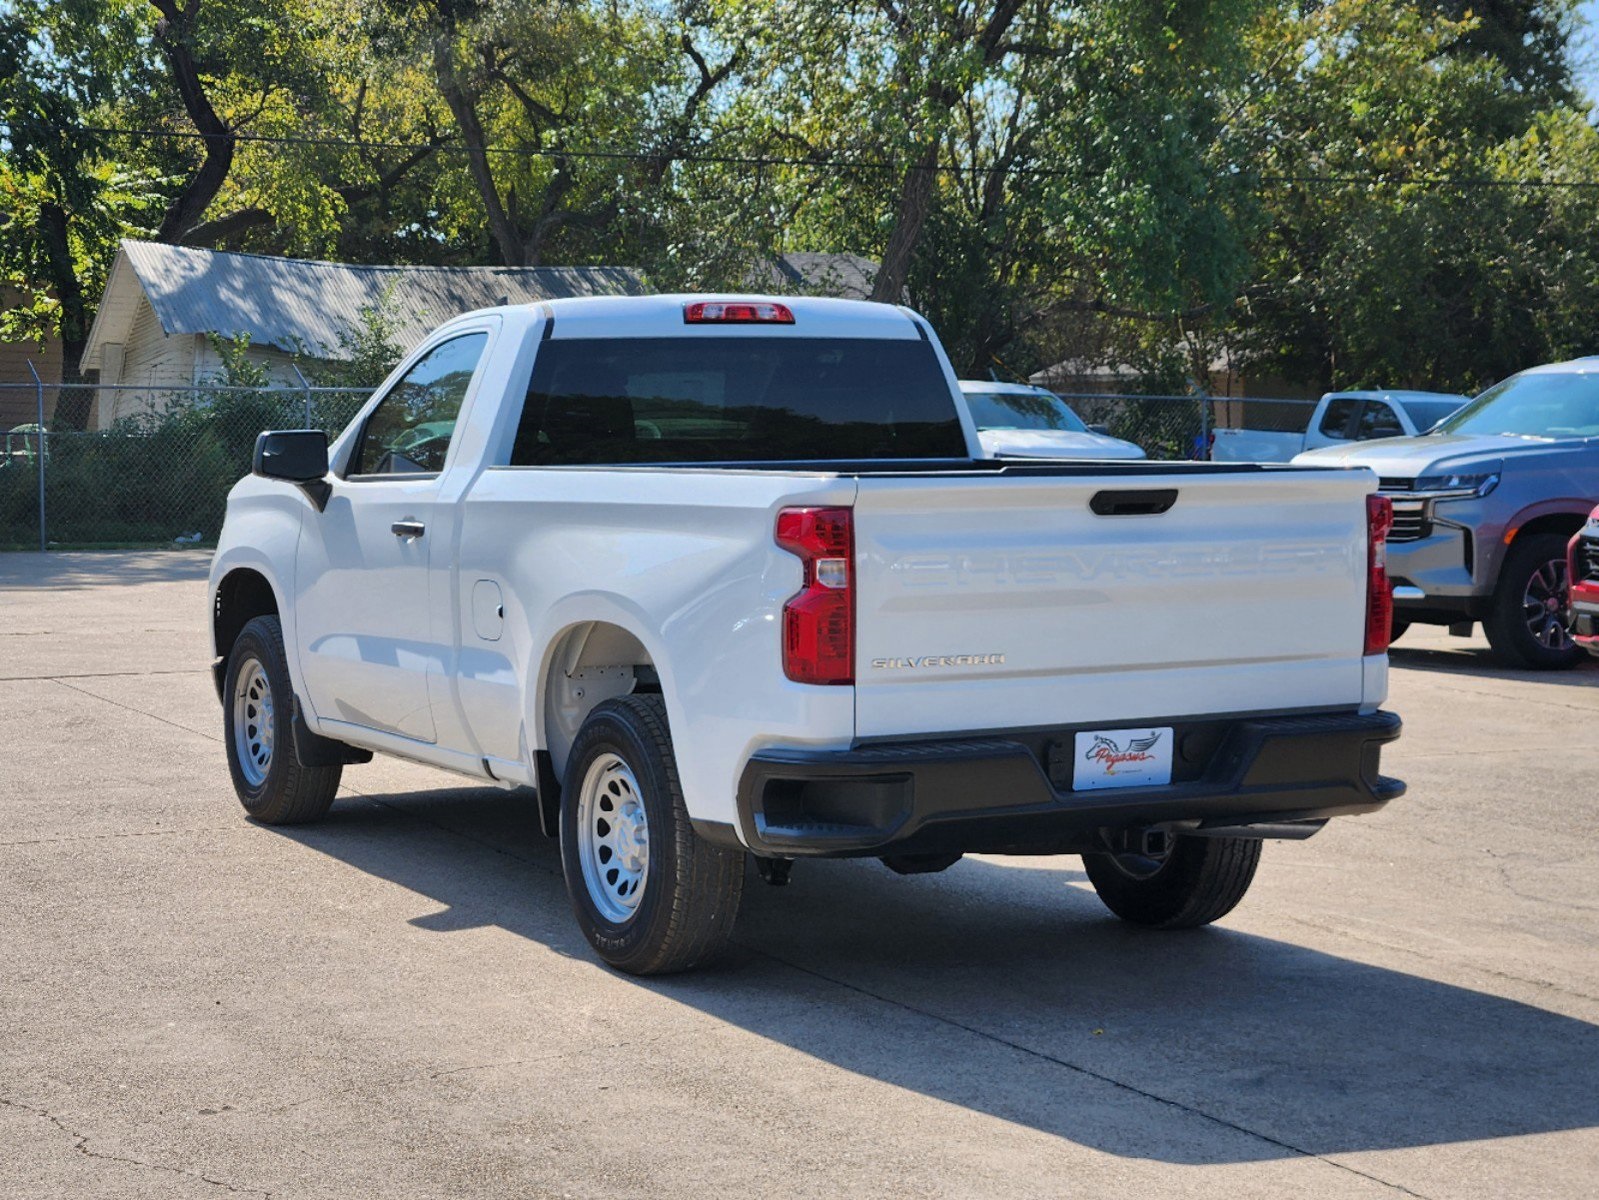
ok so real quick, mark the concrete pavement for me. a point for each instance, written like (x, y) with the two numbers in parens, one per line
(396, 1002)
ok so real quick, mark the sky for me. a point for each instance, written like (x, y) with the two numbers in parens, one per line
(1588, 49)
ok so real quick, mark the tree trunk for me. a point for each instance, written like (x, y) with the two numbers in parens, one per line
(512, 252)
(187, 210)
(66, 288)
(915, 201)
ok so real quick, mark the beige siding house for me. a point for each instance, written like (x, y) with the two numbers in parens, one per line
(163, 304)
(18, 399)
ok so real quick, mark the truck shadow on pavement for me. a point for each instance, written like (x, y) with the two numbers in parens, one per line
(1003, 986)
(69, 570)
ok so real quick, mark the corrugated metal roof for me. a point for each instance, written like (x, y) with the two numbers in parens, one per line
(294, 303)
(846, 276)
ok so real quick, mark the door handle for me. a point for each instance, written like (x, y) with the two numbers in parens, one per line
(408, 529)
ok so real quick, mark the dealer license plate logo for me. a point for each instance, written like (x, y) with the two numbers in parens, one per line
(1112, 758)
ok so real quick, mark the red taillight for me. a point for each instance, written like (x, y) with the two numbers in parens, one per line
(1379, 592)
(736, 312)
(819, 621)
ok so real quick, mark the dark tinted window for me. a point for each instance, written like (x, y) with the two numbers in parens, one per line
(410, 429)
(1377, 420)
(735, 399)
(1335, 421)
(1424, 414)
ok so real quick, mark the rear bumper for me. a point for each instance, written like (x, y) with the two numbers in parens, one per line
(1012, 793)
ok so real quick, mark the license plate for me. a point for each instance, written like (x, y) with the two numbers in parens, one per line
(1113, 758)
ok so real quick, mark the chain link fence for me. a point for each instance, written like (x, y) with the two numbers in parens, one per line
(158, 474)
(159, 471)
(1181, 427)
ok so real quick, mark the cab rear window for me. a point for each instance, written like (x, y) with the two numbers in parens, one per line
(735, 399)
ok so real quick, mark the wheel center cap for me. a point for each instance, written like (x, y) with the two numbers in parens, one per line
(632, 839)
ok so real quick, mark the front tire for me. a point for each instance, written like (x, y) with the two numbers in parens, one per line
(1198, 881)
(258, 728)
(1526, 626)
(650, 894)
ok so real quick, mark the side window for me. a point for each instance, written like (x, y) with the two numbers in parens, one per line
(1335, 421)
(409, 432)
(1378, 420)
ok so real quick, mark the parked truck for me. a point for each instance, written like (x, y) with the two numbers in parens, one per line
(1339, 418)
(713, 579)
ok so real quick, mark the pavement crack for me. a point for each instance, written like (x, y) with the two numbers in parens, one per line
(98, 675)
(97, 837)
(80, 1143)
(1543, 985)
(1087, 1072)
(1479, 693)
(210, 737)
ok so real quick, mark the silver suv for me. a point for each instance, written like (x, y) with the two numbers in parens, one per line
(1484, 504)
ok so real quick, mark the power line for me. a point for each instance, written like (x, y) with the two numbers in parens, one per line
(761, 160)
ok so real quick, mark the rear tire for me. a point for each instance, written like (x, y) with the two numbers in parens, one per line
(258, 729)
(1198, 881)
(1522, 627)
(649, 893)
(1397, 629)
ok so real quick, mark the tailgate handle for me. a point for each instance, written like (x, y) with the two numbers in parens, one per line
(1144, 502)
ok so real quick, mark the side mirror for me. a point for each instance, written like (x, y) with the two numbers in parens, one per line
(1099, 427)
(298, 456)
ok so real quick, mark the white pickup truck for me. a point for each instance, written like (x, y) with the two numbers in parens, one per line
(715, 579)
(1339, 418)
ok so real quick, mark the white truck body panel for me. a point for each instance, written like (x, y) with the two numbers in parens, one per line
(1220, 605)
(684, 562)
(1257, 445)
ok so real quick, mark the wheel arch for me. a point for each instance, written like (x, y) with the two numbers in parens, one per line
(242, 594)
(1557, 516)
(587, 663)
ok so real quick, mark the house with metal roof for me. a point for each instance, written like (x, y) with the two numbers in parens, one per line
(162, 304)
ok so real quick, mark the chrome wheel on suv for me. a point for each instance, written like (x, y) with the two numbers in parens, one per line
(1526, 625)
(1544, 605)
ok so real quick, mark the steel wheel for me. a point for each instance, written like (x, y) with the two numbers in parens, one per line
(253, 725)
(613, 838)
(1544, 605)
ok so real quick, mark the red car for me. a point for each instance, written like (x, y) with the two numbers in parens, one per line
(1583, 570)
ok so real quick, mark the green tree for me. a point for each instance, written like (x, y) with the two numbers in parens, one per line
(1397, 245)
(62, 203)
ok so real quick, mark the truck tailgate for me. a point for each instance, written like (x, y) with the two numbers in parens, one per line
(988, 604)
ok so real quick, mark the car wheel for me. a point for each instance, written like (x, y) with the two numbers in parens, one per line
(1397, 629)
(649, 893)
(1198, 880)
(1527, 624)
(257, 723)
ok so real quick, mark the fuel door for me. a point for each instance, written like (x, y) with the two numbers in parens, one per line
(488, 610)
